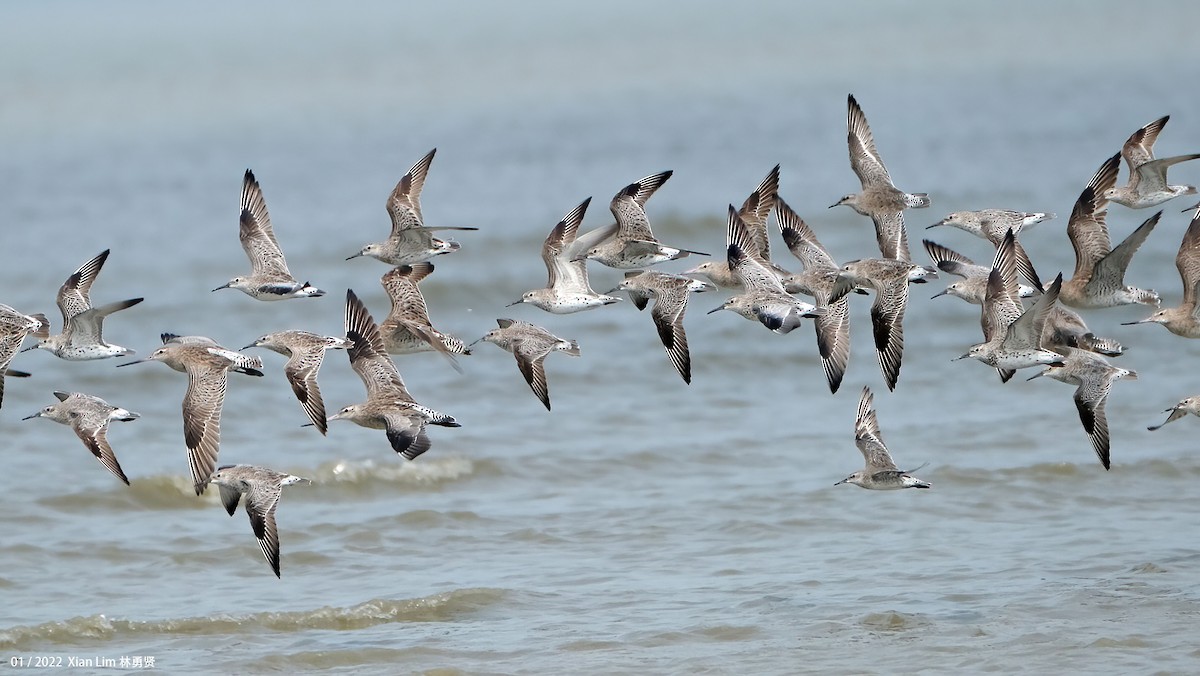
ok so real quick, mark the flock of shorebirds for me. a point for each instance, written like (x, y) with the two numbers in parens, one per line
(1046, 333)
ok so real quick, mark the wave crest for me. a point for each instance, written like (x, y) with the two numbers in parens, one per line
(169, 492)
(446, 606)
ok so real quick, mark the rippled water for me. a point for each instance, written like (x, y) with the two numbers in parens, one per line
(643, 526)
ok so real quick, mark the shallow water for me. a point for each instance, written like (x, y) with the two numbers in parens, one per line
(642, 526)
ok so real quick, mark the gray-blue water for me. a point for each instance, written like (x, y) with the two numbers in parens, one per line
(642, 526)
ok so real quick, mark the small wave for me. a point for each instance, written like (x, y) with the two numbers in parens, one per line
(169, 492)
(1085, 467)
(150, 492)
(436, 608)
(1134, 641)
(423, 472)
(892, 620)
(352, 660)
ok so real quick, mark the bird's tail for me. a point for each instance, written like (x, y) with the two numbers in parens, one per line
(43, 329)
(916, 200)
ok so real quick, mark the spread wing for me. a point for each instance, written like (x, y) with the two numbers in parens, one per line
(951, 262)
(1026, 332)
(1086, 228)
(743, 258)
(757, 208)
(667, 314)
(1090, 398)
(530, 352)
(368, 357)
(800, 238)
(1151, 176)
(1187, 261)
(257, 236)
(404, 204)
(406, 433)
(1139, 147)
(229, 498)
(891, 235)
(833, 335)
(87, 327)
(887, 320)
(74, 295)
(557, 252)
(629, 207)
(8, 349)
(1001, 301)
(864, 158)
(1109, 272)
(202, 419)
(261, 501)
(94, 435)
(868, 438)
(408, 303)
(301, 371)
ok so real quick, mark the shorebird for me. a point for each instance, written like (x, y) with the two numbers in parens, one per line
(992, 224)
(670, 294)
(1063, 329)
(530, 344)
(819, 280)
(1147, 186)
(629, 243)
(754, 213)
(262, 488)
(1066, 329)
(207, 366)
(89, 417)
(407, 328)
(269, 278)
(1092, 377)
(1012, 335)
(1184, 407)
(1183, 320)
(567, 290)
(889, 279)
(880, 473)
(14, 326)
(973, 286)
(82, 337)
(305, 352)
(879, 200)
(241, 363)
(410, 241)
(1099, 277)
(389, 406)
(765, 299)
